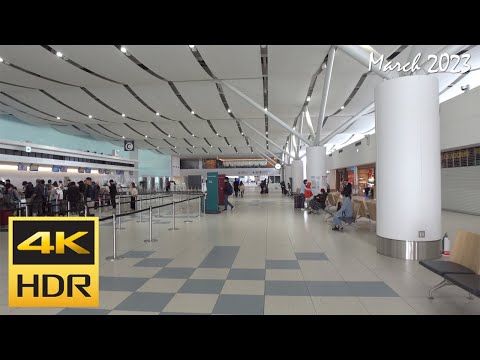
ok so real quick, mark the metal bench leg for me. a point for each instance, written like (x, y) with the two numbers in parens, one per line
(438, 286)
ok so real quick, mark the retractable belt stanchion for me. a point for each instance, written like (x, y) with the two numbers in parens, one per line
(68, 208)
(150, 226)
(119, 213)
(141, 212)
(204, 204)
(114, 251)
(199, 206)
(86, 210)
(188, 211)
(173, 228)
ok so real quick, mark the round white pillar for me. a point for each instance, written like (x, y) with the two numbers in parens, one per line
(297, 174)
(408, 188)
(288, 174)
(316, 167)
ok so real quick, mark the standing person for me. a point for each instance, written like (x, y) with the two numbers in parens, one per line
(284, 190)
(28, 190)
(89, 194)
(55, 198)
(167, 187)
(38, 198)
(73, 197)
(12, 195)
(227, 191)
(242, 188)
(235, 187)
(133, 195)
(302, 192)
(60, 185)
(113, 193)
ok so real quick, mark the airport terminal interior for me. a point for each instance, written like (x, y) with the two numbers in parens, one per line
(241, 179)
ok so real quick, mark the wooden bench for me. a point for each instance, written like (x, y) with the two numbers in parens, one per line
(463, 267)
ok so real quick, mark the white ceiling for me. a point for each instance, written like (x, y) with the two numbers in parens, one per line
(290, 72)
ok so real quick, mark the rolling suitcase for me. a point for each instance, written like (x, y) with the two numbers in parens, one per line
(298, 201)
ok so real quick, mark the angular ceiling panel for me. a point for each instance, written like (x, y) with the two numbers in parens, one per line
(240, 107)
(108, 61)
(162, 98)
(290, 70)
(172, 62)
(232, 61)
(204, 99)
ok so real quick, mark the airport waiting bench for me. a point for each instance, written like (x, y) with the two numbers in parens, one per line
(463, 268)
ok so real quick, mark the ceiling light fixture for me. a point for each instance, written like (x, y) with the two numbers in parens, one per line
(229, 111)
(211, 145)
(342, 107)
(193, 134)
(169, 135)
(146, 136)
(324, 66)
(266, 132)
(263, 46)
(266, 109)
(90, 116)
(175, 147)
(1, 60)
(193, 112)
(193, 146)
(191, 46)
(357, 150)
(123, 49)
(217, 134)
(158, 147)
(59, 54)
(158, 114)
(123, 115)
(123, 137)
(58, 117)
(308, 98)
(242, 133)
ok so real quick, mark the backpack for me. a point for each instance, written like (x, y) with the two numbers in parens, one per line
(229, 189)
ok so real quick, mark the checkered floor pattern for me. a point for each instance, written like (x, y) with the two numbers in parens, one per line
(144, 283)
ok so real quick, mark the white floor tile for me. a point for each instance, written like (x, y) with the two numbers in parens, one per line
(289, 305)
(244, 287)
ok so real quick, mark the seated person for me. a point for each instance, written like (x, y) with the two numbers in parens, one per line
(345, 213)
(318, 202)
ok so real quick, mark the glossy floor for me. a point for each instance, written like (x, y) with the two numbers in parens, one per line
(263, 257)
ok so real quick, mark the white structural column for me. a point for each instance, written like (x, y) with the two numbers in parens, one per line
(408, 168)
(316, 167)
(297, 174)
(288, 173)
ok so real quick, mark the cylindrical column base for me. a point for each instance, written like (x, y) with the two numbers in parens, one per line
(409, 250)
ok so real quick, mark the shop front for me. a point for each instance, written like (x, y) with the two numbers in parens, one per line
(366, 178)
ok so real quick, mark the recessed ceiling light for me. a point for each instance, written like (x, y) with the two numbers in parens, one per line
(158, 114)
(123, 137)
(242, 133)
(229, 111)
(1, 60)
(175, 147)
(211, 145)
(324, 66)
(230, 145)
(342, 107)
(193, 134)
(357, 150)
(90, 116)
(308, 98)
(193, 145)
(158, 147)
(169, 135)
(58, 117)
(266, 132)
(123, 49)
(191, 46)
(123, 115)
(193, 112)
(146, 136)
(218, 134)
(59, 54)
(263, 46)
(266, 109)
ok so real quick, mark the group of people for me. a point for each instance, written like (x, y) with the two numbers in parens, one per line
(264, 187)
(238, 188)
(47, 198)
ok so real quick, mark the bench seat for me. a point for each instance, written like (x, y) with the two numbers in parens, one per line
(441, 267)
(468, 282)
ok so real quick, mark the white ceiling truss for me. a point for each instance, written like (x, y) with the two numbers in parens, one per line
(170, 98)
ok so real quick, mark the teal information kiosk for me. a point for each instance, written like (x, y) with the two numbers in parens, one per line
(212, 193)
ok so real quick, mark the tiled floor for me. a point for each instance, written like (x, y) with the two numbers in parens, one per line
(264, 257)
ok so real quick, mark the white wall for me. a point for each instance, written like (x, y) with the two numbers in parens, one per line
(366, 154)
(232, 171)
(460, 120)
(175, 166)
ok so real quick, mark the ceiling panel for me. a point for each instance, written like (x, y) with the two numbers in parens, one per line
(162, 98)
(225, 127)
(204, 99)
(29, 111)
(44, 103)
(290, 70)
(240, 107)
(198, 127)
(80, 100)
(41, 61)
(232, 61)
(119, 98)
(108, 61)
(18, 77)
(173, 62)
